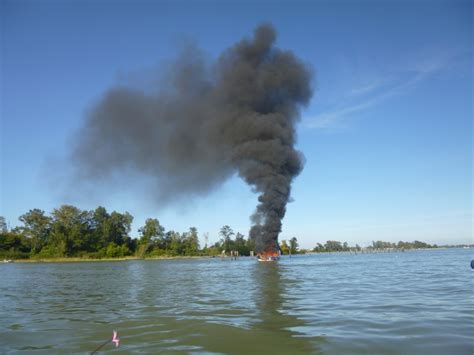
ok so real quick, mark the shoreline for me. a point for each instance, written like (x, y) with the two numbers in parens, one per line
(126, 258)
(183, 257)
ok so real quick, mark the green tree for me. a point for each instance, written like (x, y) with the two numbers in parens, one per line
(70, 231)
(240, 244)
(333, 245)
(285, 249)
(191, 242)
(13, 244)
(151, 232)
(101, 228)
(151, 235)
(176, 244)
(121, 224)
(319, 248)
(36, 227)
(165, 242)
(294, 245)
(420, 245)
(110, 228)
(226, 233)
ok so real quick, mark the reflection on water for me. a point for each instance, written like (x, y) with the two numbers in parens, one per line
(419, 302)
(267, 328)
(274, 320)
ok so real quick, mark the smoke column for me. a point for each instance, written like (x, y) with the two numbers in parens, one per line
(207, 122)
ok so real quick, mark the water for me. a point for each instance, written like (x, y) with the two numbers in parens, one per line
(413, 303)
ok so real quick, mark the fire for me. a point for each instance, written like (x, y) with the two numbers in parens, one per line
(268, 255)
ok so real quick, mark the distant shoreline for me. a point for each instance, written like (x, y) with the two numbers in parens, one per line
(183, 257)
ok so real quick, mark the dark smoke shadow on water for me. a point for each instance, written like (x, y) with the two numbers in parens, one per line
(206, 122)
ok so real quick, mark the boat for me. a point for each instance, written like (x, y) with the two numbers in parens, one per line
(267, 258)
(8, 261)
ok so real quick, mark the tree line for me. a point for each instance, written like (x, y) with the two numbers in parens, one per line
(71, 232)
(68, 232)
(336, 246)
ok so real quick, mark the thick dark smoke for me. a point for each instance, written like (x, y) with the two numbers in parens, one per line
(207, 122)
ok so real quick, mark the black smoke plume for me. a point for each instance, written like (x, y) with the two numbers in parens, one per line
(205, 123)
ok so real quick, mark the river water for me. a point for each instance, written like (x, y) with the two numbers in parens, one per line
(418, 302)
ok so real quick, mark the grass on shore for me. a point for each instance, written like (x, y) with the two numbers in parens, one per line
(72, 259)
(125, 258)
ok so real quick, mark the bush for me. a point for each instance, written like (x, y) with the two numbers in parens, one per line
(157, 252)
(112, 250)
(13, 254)
(116, 251)
(125, 251)
(212, 251)
(48, 252)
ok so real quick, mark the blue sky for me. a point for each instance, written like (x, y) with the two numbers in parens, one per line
(387, 136)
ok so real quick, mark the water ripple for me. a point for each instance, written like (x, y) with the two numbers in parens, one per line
(416, 302)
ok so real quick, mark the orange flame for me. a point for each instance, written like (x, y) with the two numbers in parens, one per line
(268, 253)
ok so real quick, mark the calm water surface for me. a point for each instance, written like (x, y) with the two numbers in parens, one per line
(413, 303)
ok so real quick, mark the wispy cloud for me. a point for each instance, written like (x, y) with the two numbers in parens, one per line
(362, 97)
(369, 87)
(332, 118)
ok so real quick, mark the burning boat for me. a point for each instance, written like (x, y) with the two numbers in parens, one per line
(264, 258)
(269, 255)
